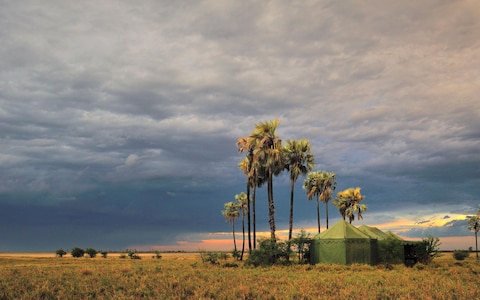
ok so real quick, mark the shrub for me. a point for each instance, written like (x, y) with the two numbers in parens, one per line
(77, 252)
(91, 252)
(428, 249)
(157, 255)
(104, 254)
(460, 254)
(133, 255)
(270, 252)
(301, 244)
(60, 253)
(211, 257)
(390, 251)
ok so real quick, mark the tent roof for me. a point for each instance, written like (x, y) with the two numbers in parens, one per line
(393, 235)
(373, 232)
(342, 230)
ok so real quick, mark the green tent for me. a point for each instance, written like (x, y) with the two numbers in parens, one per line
(342, 244)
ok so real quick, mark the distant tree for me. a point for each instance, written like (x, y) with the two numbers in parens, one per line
(104, 254)
(60, 252)
(77, 252)
(298, 161)
(231, 213)
(348, 203)
(242, 203)
(474, 225)
(91, 252)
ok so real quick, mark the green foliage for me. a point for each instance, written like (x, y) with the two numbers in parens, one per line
(428, 249)
(104, 254)
(301, 245)
(460, 254)
(390, 251)
(60, 253)
(210, 257)
(77, 252)
(91, 252)
(270, 252)
(133, 255)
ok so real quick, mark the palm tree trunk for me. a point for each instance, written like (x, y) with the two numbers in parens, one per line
(254, 193)
(326, 212)
(233, 233)
(248, 218)
(476, 244)
(271, 205)
(292, 186)
(243, 236)
(318, 214)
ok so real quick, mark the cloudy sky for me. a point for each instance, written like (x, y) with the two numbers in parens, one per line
(118, 119)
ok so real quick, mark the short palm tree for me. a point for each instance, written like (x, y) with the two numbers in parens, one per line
(298, 161)
(231, 213)
(474, 225)
(348, 203)
(242, 202)
(320, 184)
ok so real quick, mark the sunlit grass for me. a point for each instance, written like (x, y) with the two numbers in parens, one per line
(186, 277)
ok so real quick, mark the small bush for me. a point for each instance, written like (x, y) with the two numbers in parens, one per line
(77, 252)
(460, 254)
(428, 249)
(91, 252)
(104, 254)
(157, 255)
(270, 252)
(60, 253)
(133, 255)
(211, 257)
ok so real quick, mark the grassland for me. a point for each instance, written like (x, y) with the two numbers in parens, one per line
(184, 276)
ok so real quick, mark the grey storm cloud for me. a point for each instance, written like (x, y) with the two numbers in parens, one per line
(119, 94)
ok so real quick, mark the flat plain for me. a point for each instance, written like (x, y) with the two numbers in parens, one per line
(185, 276)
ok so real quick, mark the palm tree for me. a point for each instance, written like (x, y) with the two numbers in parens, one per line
(231, 214)
(247, 144)
(474, 225)
(242, 202)
(328, 186)
(320, 184)
(268, 153)
(348, 203)
(298, 161)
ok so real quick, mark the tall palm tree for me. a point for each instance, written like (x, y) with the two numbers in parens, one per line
(474, 225)
(231, 213)
(329, 183)
(268, 153)
(247, 144)
(298, 161)
(348, 203)
(242, 202)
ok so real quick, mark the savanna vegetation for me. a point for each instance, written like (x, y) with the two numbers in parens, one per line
(265, 158)
(186, 276)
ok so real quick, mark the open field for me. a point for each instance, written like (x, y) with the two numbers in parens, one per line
(184, 276)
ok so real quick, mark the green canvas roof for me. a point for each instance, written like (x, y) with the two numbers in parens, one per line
(373, 232)
(342, 230)
(393, 235)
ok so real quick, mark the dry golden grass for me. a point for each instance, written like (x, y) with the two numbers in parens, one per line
(184, 276)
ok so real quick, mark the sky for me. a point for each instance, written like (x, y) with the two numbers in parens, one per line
(118, 119)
